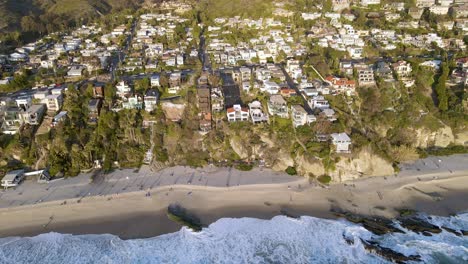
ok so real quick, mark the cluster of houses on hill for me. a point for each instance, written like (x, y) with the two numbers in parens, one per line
(228, 98)
(127, 98)
(332, 29)
(29, 107)
(163, 45)
(343, 36)
(437, 7)
(460, 74)
(71, 53)
(272, 38)
(151, 47)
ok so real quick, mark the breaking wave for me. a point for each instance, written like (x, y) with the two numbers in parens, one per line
(248, 240)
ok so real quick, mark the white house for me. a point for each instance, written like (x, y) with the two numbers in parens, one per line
(123, 88)
(435, 64)
(402, 68)
(18, 56)
(54, 102)
(439, 10)
(342, 142)
(75, 71)
(246, 86)
(355, 52)
(256, 113)
(318, 102)
(48, 64)
(33, 115)
(237, 113)
(270, 87)
(299, 115)
(151, 99)
(278, 106)
(370, 2)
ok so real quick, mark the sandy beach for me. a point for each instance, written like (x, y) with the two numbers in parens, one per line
(437, 185)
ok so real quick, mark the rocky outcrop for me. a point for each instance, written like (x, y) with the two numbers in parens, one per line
(283, 161)
(365, 163)
(238, 147)
(308, 166)
(462, 138)
(425, 138)
(389, 254)
(419, 226)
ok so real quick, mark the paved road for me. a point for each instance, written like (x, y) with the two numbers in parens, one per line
(120, 55)
(293, 85)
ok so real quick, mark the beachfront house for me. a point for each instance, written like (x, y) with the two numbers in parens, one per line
(151, 99)
(342, 142)
(12, 178)
(237, 113)
(299, 115)
(278, 106)
(318, 102)
(256, 113)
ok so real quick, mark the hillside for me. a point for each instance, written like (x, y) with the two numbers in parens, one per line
(12, 11)
(230, 8)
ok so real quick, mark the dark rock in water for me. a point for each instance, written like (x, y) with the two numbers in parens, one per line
(418, 225)
(388, 253)
(425, 233)
(464, 232)
(453, 231)
(376, 225)
(179, 214)
(380, 226)
(349, 240)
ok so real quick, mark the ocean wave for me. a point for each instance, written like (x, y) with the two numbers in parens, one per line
(246, 240)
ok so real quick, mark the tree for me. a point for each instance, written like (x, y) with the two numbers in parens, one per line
(441, 89)
(327, 6)
(142, 85)
(281, 56)
(28, 24)
(73, 104)
(109, 92)
(291, 170)
(163, 80)
(322, 125)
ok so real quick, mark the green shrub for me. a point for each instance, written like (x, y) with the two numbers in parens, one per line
(291, 170)
(244, 167)
(325, 179)
(450, 150)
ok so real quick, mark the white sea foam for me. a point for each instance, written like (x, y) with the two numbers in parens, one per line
(246, 240)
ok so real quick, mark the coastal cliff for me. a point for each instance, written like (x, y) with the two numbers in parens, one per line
(281, 149)
(441, 137)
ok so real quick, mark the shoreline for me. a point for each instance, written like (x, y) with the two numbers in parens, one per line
(133, 214)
